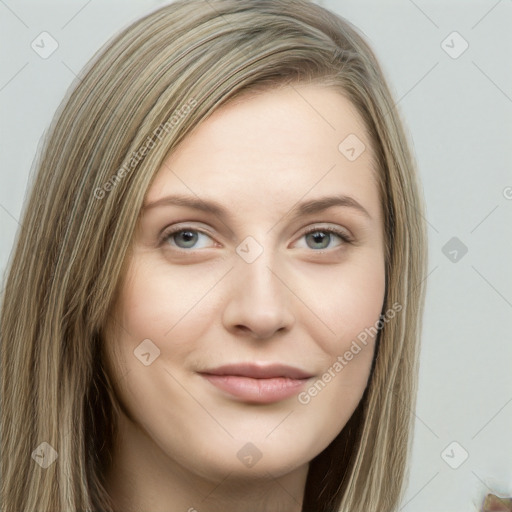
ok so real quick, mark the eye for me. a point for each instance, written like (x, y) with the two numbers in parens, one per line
(320, 237)
(183, 238)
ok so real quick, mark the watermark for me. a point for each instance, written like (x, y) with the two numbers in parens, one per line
(177, 116)
(249, 249)
(44, 45)
(45, 455)
(454, 455)
(249, 455)
(454, 45)
(454, 249)
(146, 352)
(342, 360)
(352, 147)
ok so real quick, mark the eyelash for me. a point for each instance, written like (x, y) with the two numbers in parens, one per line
(342, 234)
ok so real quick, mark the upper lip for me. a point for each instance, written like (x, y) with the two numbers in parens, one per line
(259, 371)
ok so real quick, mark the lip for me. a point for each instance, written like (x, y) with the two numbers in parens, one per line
(257, 383)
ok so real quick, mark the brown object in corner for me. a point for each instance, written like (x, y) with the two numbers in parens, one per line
(494, 504)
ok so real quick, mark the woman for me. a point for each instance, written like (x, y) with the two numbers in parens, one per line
(144, 371)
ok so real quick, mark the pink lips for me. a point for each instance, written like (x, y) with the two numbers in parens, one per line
(257, 383)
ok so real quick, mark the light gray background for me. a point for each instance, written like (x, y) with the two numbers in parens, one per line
(458, 112)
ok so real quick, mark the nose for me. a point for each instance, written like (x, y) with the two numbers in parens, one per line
(259, 302)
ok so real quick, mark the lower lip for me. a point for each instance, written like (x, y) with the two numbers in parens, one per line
(263, 391)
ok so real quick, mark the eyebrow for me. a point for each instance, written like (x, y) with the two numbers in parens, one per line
(305, 208)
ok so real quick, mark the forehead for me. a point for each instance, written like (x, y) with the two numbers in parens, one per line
(273, 148)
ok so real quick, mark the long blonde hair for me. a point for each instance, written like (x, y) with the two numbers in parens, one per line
(84, 205)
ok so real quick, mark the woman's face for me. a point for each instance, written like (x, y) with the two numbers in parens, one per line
(243, 285)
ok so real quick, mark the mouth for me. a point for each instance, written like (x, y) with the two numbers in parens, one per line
(263, 384)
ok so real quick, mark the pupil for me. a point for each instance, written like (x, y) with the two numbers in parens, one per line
(318, 236)
(188, 236)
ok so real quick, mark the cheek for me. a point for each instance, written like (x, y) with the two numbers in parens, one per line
(167, 310)
(350, 300)
(352, 310)
(360, 303)
(158, 305)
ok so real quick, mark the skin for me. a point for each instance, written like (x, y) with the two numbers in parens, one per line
(302, 302)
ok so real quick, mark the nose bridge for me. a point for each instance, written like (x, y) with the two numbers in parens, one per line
(255, 269)
(259, 300)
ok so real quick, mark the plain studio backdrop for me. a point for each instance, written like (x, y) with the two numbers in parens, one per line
(448, 64)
